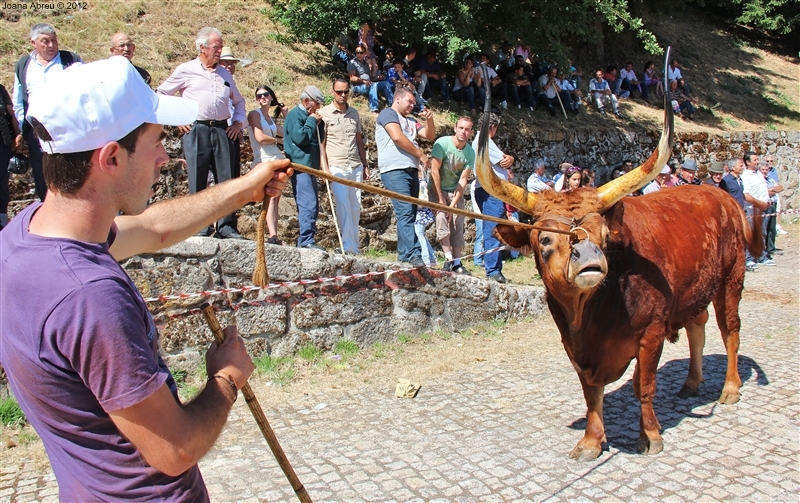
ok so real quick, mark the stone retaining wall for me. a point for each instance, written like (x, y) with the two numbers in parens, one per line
(279, 320)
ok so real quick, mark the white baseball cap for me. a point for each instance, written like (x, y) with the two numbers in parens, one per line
(89, 105)
(666, 170)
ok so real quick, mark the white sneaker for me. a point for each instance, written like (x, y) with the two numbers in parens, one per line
(779, 230)
(519, 107)
(503, 105)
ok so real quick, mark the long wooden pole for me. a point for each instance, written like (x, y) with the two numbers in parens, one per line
(258, 414)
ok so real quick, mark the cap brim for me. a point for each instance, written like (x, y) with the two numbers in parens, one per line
(174, 111)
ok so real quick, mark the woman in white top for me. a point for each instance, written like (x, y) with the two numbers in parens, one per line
(266, 136)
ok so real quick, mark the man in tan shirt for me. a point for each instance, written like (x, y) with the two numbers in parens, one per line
(343, 155)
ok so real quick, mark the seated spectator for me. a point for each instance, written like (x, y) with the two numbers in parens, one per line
(538, 182)
(527, 67)
(574, 93)
(549, 92)
(363, 83)
(523, 51)
(674, 73)
(468, 85)
(388, 60)
(398, 77)
(651, 78)
(418, 79)
(572, 179)
(342, 51)
(601, 91)
(630, 82)
(615, 82)
(498, 86)
(436, 77)
(519, 87)
(681, 104)
(575, 75)
(587, 177)
(659, 182)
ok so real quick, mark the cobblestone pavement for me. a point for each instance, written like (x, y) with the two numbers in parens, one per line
(501, 430)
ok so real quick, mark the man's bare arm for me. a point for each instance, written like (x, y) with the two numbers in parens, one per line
(171, 221)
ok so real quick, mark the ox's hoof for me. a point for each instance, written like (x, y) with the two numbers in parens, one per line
(729, 397)
(687, 392)
(650, 447)
(585, 452)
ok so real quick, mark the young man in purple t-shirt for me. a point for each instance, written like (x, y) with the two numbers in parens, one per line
(78, 344)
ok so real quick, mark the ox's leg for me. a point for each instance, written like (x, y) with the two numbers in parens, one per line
(726, 305)
(644, 386)
(590, 446)
(696, 333)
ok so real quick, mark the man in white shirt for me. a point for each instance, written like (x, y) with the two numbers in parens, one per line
(674, 72)
(601, 91)
(537, 182)
(756, 194)
(630, 82)
(30, 73)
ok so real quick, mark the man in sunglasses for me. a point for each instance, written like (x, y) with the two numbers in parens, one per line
(363, 83)
(343, 155)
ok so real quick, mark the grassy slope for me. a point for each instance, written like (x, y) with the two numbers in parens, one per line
(739, 87)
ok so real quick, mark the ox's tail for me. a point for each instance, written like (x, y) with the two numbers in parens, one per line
(753, 236)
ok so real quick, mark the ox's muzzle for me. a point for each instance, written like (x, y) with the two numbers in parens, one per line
(587, 264)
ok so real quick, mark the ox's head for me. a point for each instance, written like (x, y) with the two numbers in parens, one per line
(573, 228)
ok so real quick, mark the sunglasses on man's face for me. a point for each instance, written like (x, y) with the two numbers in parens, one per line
(342, 93)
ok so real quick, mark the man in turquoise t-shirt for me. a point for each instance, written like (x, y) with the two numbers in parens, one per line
(452, 162)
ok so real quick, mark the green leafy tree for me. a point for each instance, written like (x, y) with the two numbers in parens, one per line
(779, 16)
(549, 27)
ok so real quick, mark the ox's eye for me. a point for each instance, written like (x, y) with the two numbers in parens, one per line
(545, 241)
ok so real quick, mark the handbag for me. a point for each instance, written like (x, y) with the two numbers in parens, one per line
(18, 164)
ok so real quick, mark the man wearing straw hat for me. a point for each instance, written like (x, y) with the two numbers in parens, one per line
(78, 344)
(228, 61)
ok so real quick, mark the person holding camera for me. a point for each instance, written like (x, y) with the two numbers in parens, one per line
(10, 141)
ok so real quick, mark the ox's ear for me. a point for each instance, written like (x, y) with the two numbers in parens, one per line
(614, 221)
(515, 237)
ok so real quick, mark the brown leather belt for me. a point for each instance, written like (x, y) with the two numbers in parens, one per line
(212, 123)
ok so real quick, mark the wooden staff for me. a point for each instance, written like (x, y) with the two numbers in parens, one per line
(558, 95)
(330, 196)
(258, 414)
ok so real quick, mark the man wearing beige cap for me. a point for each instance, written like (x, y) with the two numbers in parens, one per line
(303, 130)
(205, 142)
(715, 173)
(79, 346)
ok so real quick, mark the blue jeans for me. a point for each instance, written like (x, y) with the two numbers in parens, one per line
(468, 94)
(404, 181)
(521, 92)
(478, 247)
(428, 254)
(444, 89)
(493, 207)
(304, 188)
(380, 86)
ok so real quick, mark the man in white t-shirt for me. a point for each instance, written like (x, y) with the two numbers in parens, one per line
(630, 82)
(756, 194)
(674, 72)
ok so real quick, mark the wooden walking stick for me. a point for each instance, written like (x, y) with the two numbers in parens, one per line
(258, 414)
(330, 196)
(558, 95)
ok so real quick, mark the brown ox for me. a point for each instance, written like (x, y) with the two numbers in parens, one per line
(631, 273)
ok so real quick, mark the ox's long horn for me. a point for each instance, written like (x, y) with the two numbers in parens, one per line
(615, 190)
(491, 183)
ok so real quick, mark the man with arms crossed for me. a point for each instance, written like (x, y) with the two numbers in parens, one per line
(452, 161)
(399, 158)
(78, 344)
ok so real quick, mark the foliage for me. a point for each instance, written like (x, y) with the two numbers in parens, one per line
(345, 347)
(451, 27)
(10, 412)
(779, 16)
(309, 352)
